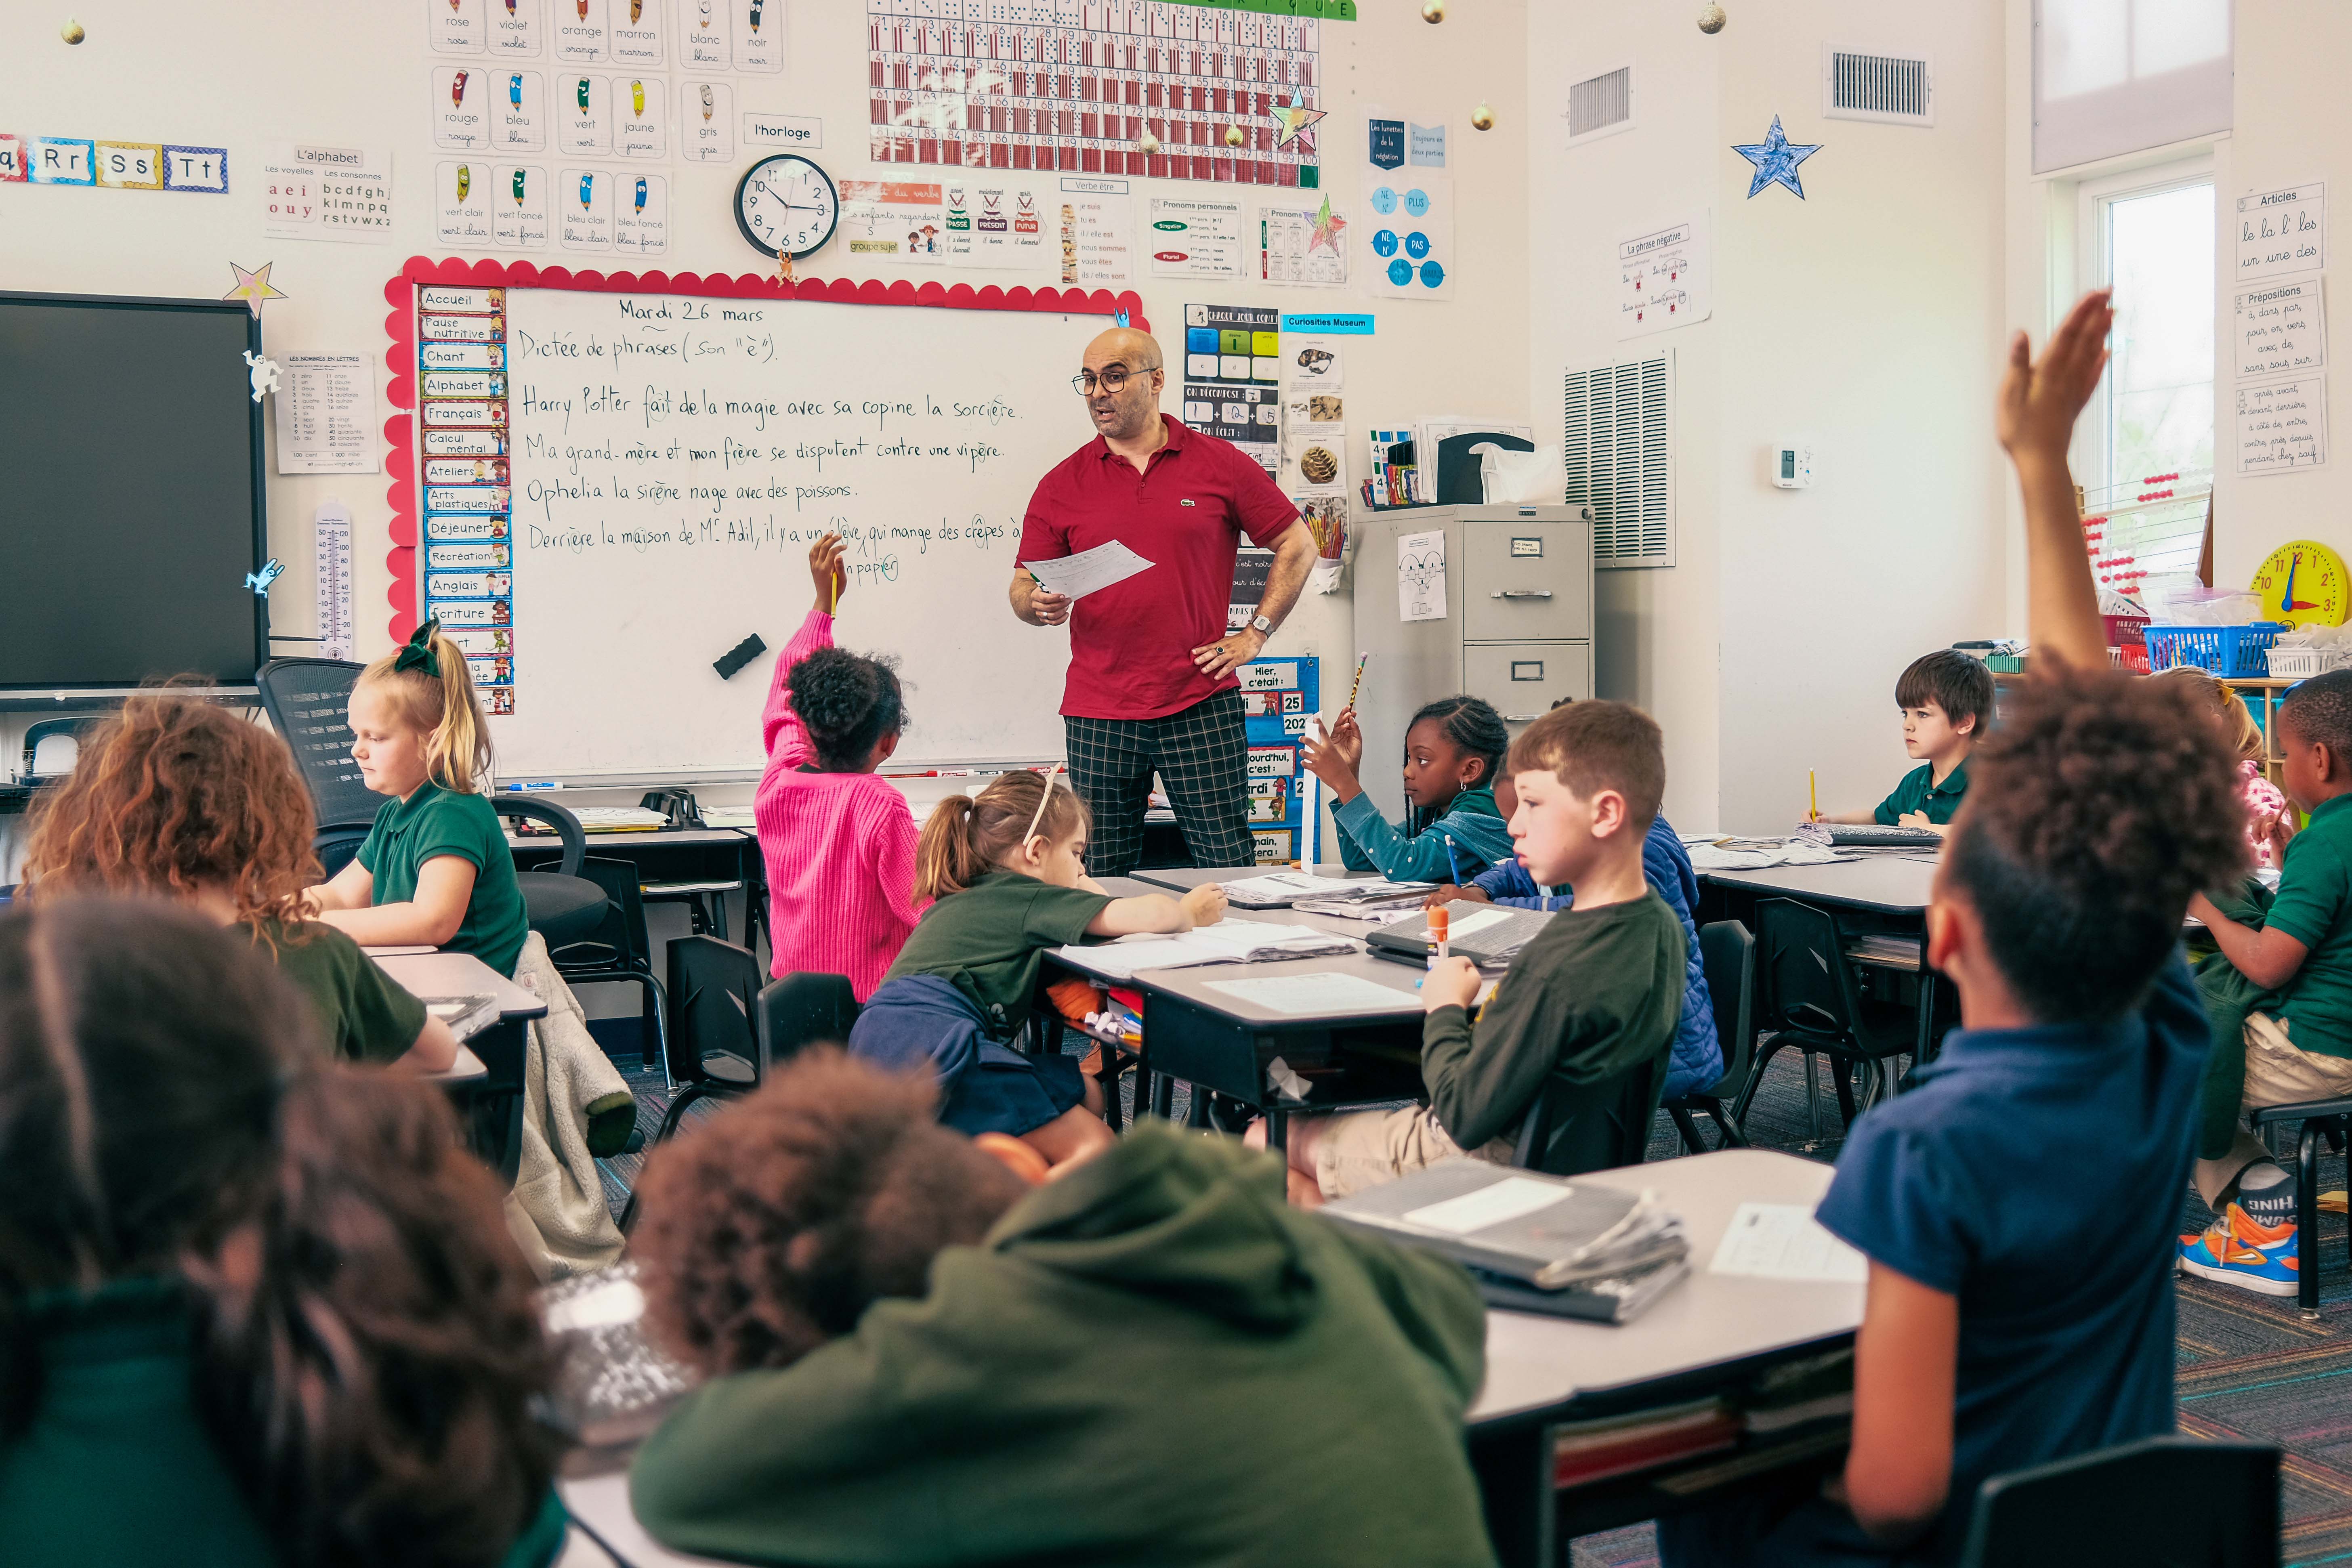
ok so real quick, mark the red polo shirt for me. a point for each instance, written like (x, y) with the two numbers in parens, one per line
(1132, 643)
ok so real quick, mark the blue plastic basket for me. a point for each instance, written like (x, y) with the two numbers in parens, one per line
(2237, 651)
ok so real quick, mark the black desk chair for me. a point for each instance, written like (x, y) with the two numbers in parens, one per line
(1809, 999)
(2321, 1119)
(713, 1046)
(41, 729)
(1575, 1128)
(1727, 954)
(2109, 1506)
(616, 949)
(309, 702)
(805, 1009)
(561, 905)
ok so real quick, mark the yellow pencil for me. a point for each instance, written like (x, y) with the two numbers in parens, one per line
(1812, 797)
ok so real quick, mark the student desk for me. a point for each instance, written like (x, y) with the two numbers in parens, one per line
(1889, 887)
(1707, 1335)
(496, 1048)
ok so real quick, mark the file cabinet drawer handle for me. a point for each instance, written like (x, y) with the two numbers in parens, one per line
(1521, 593)
(1521, 718)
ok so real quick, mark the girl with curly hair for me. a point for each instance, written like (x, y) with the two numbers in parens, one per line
(256, 1308)
(838, 837)
(175, 798)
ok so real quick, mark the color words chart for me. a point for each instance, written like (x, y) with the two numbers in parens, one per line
(1075, 85)
(466, 557)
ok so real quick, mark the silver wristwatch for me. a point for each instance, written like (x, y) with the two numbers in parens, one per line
(1263, 626)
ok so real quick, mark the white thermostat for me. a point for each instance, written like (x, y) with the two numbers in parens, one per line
(1792, 465)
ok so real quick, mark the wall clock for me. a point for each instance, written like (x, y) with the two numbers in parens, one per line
(786, 203)
(2304, 581)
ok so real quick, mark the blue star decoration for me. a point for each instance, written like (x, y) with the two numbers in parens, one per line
(259, 581)
(1776, 159)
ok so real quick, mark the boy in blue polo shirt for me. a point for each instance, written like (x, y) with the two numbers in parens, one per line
(2002, 1330)
(2293, 1005)
(1945, 700)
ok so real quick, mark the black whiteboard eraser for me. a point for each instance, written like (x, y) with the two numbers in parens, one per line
(735, 657)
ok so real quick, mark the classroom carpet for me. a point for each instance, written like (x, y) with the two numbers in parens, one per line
(2250, 1367)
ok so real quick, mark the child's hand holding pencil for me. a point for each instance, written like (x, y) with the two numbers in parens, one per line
(831, 577)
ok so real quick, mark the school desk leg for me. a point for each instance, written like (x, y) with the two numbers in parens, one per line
(1514, 1485)
(2307, 1216)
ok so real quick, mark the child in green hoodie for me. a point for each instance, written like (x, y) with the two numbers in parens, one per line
(1452, 829)
(917, 1357)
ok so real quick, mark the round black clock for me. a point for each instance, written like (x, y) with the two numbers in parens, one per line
(786, 203)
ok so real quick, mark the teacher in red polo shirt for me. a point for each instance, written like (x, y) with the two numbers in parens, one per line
(1151, 684)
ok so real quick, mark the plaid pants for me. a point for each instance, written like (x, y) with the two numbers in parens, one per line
(1201, 755)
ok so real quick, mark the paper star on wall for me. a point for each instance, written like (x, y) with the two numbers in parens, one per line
(1776, 159)
(252, 287)
(1291, 122)
(1328, 227)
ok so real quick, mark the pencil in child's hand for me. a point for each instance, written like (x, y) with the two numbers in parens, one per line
(1357, 684)
(1452, 864)
(1812, 797)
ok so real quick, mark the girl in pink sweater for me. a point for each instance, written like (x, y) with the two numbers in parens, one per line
(838, 837)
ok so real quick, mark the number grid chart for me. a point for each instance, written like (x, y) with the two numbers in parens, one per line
(1072, 86)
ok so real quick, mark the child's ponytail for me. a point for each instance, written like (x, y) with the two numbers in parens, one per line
(967, 835)
(947, 858)
(433, 688)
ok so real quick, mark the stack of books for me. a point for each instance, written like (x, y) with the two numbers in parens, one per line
(1533, 1243)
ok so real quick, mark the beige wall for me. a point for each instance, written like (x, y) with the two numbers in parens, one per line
(1864, 318)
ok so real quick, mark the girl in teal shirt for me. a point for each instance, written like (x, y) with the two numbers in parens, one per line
(1452, 750)
(435, 868)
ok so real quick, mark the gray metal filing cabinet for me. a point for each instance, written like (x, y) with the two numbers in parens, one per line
(1518, 628)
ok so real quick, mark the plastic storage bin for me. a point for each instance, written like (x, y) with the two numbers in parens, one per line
(2298, 663)
(2237, 651)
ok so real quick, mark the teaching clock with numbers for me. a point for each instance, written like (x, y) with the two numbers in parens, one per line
(786, 203)
(2304, 583)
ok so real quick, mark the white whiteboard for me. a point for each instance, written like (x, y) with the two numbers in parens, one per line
(671, 458)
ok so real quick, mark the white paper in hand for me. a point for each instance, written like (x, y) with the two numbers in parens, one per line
(1076, 576)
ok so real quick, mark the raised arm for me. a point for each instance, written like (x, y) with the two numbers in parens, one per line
(2034, 416)
(778, 725)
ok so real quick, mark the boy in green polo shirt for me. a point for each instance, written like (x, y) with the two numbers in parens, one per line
(2297, 965)
(1945, 700)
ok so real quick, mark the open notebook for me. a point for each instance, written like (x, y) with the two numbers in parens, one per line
(1227, 942)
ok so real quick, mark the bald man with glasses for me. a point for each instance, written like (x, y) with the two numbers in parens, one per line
(1151, 685)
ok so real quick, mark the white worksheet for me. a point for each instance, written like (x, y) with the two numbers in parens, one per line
(1784, 1241)
(1076, 576)
(1299, 995)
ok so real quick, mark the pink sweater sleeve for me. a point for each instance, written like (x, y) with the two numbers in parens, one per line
(894, 839)
(779, 721)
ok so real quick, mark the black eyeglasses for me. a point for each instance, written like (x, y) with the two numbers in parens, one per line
(1112, 380)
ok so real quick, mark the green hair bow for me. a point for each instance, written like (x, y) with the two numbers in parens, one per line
(418, 653)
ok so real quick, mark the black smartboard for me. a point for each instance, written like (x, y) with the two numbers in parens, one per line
(130, 491)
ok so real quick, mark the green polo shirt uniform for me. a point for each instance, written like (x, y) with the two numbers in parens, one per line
(990, 940)
(116, 1464)
(434, 822)
(1919, 791)
(2315, 907)
(366, 1015)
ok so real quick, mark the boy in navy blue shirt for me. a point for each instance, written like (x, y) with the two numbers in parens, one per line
(2002, 1330)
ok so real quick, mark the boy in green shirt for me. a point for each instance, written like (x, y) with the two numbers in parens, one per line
(917, 1357)
(2300, 1046)
(1946, 698)
(1595, 997)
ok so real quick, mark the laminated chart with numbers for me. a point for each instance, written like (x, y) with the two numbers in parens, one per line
(466, 564)
(1071, 85)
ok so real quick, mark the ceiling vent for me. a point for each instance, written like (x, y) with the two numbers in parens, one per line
(1600, 106)
(1874, 84)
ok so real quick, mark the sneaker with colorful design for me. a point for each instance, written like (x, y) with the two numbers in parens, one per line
(2237, 1250)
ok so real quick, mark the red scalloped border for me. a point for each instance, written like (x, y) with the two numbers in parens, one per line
(400, 326)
